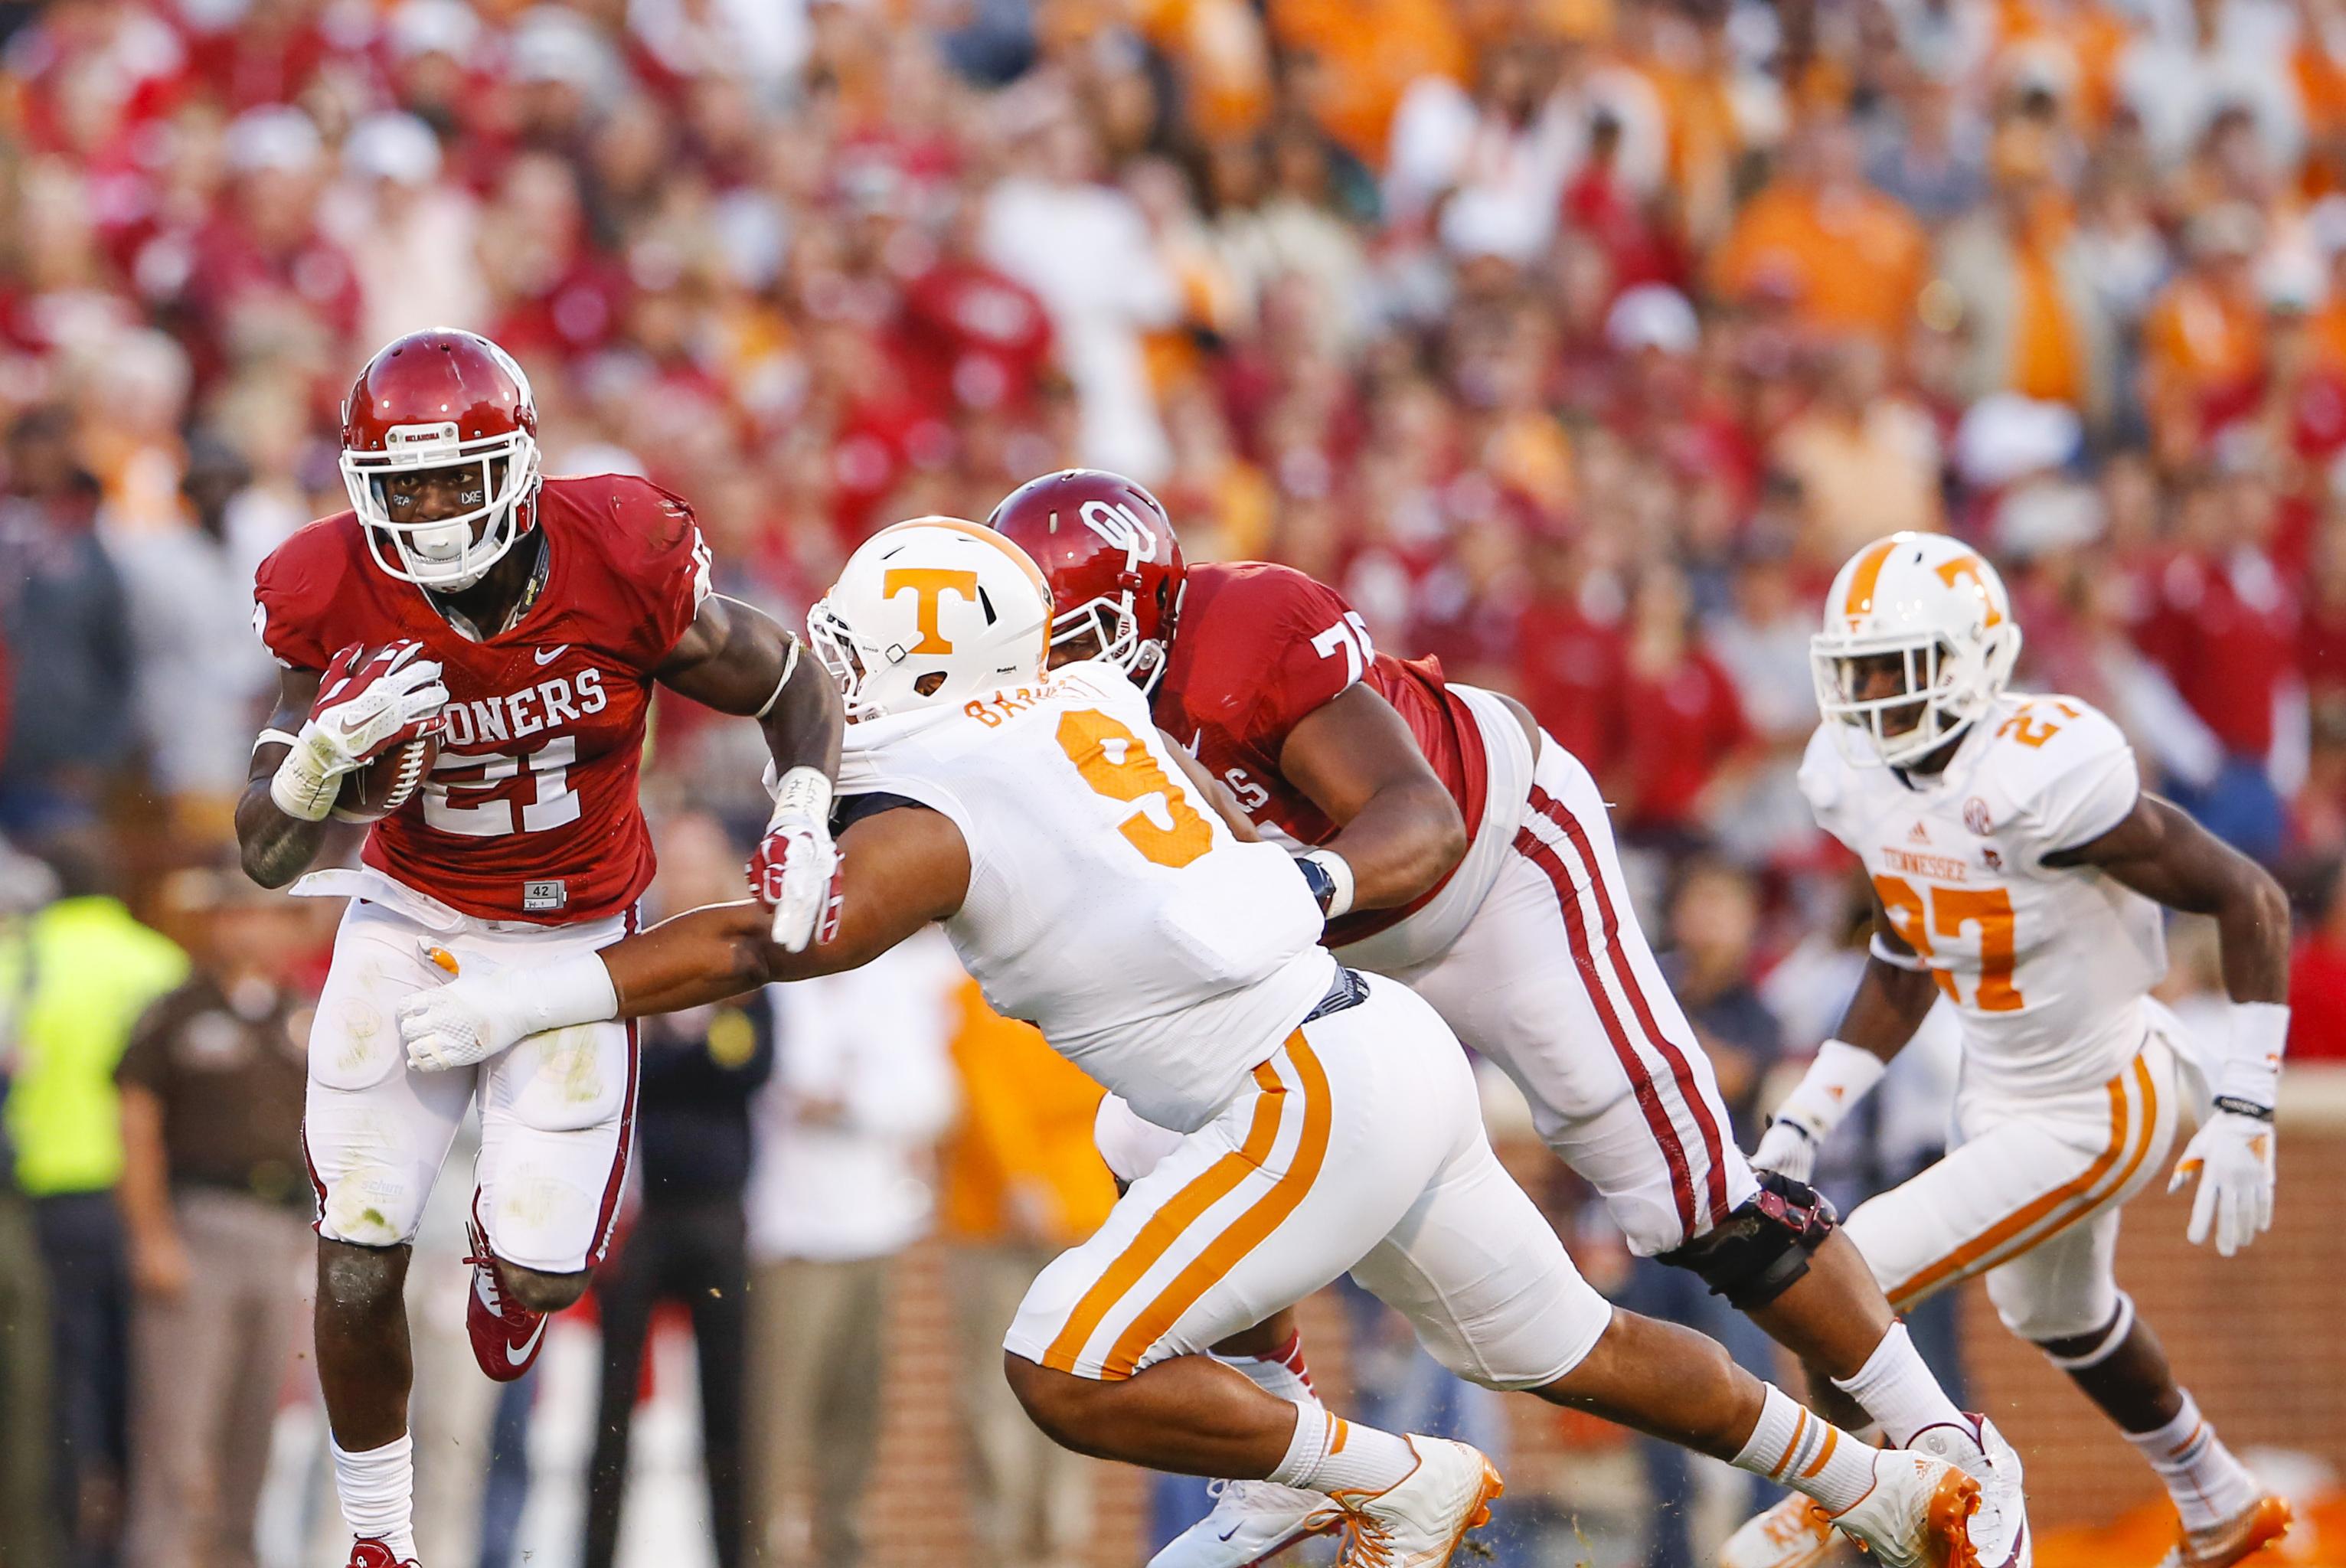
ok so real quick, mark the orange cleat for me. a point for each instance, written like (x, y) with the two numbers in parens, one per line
(2244, 1534)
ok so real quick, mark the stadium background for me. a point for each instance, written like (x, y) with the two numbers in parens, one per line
(1576, 340)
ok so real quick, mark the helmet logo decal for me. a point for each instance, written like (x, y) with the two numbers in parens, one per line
(1969, 567)
(930, 584)
(1121, 526)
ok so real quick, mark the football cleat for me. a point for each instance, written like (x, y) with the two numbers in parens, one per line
(507, 1336)
(1917, 1514)
(2000, 1529)
(1795, 1533)
(1419, 1520)
(1252, 1522)
(368, 1552)
(2244, 1534)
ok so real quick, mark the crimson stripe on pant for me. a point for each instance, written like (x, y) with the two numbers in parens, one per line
(607, 1220)
(1641, 1083)
(1556, 811)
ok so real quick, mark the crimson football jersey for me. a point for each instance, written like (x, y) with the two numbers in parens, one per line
(530, 813)
(1257, 648)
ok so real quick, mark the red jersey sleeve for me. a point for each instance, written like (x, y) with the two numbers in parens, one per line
(293, 593)
(1289, 644)
(662, 565)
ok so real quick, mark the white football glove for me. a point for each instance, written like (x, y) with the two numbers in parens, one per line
(1840, 1076)
(1788, 1149)
(489, 1007)
(366, 703)
(794, 870)
(2233, 1156)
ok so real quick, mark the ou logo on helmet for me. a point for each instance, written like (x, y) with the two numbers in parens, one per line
(1121, 526)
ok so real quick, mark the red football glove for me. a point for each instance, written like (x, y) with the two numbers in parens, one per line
(795, 869)
(367, 703)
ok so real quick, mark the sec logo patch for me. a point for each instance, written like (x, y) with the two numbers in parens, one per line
(1977, 818)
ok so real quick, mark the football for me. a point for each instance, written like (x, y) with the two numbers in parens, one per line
(381, 787)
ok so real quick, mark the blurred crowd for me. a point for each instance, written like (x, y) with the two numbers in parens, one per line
(1577, 341)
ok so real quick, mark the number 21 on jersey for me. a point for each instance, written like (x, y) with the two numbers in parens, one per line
(1936, 912)
(1119, 766)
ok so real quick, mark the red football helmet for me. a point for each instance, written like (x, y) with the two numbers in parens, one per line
(1108, 550)
(442, 399)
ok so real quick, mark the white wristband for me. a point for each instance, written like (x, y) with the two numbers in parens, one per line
(1340, 872)
(802, 791)
(575, 990)
(1840, 1076)
(2252, 1057)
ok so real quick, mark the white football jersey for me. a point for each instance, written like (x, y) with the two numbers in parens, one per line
(1108, 904)
(2047, 966)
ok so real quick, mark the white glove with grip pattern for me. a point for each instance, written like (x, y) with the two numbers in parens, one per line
(2235, 1159)
(491, 1007)
(794, 870)
(367, 702)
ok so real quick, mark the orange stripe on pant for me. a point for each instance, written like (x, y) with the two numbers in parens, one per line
(1165, 1226)
(2003, 1236)
(1248, 1231)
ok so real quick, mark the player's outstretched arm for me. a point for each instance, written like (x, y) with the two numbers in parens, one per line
(1893, 996)
(902, 868)
(275, 847)
(737, 659)
(2164, 855)
(1399, 831)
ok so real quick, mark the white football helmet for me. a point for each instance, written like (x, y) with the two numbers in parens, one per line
(930, 611)
(1934, 605)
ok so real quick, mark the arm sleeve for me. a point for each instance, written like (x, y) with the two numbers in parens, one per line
(286, 594)
(1819, 778)
(1313, 648)
(665, 565)
(2085, 781)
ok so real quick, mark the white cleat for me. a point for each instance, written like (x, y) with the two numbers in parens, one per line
(1419, 1520)
(1795, 1533)
(1916, 1514)
(2000, 1529)
(1252, 1522)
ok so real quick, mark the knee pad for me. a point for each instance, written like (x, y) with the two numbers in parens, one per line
(1762, 1249)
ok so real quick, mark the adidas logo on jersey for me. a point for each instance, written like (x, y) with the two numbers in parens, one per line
(1920, 835)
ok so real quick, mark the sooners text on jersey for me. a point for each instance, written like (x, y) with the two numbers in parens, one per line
(1257, 648)
(530, 813)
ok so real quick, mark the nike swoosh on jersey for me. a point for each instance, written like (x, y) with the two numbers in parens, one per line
(547, 655)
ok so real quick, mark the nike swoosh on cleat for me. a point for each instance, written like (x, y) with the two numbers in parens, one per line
(515, 1358)
(547, 655)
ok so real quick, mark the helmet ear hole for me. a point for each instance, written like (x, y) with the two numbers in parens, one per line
(927, 685)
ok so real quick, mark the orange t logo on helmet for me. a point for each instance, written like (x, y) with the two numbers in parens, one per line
(1969, 567)
(932, 584)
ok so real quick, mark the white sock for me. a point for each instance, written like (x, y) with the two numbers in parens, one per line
(1898, 1391)
(1330, 1454)
(1794, 1448)
(2209, 1484)
(1281, 1374)
(378, 1491)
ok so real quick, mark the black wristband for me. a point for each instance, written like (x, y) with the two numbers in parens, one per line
(2240, 1107)
(1316, 878)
